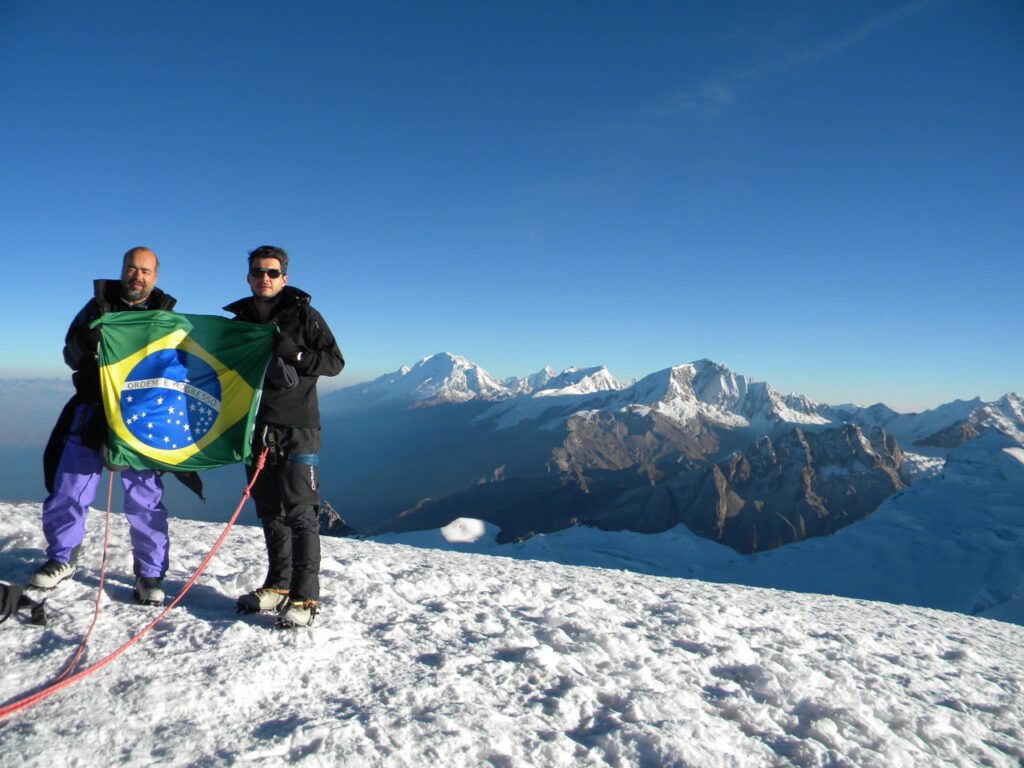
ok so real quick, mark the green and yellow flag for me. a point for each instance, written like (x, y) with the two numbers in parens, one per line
(180, 391)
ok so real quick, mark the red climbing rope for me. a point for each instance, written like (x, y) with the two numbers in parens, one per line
(28, 701)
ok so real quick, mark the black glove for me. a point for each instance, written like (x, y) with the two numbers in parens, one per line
(285, 347)
(282, 375)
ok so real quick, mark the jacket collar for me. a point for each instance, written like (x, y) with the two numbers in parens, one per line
(108, 293)
(288, 298)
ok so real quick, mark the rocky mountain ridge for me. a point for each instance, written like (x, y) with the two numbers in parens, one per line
(702, 388)
(799, 485)
(690, 443)
(695, 443)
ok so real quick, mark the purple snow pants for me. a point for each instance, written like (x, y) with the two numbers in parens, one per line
(78, 475)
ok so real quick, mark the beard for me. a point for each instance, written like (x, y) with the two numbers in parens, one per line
(135, 292)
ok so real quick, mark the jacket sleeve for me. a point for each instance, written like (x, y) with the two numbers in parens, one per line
(81, 341)
(320, 353)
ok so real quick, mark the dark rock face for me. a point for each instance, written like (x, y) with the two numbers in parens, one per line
(643, 442)
(645, 474)
(951, 436)
(776, 492)
(331, 523)
(805, 485)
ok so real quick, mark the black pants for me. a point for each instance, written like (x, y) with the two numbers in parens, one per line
(287, 496)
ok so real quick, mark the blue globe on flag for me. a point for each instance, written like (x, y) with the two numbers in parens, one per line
(170, 399)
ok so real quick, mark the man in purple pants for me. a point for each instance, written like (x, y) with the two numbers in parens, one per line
(73, 457)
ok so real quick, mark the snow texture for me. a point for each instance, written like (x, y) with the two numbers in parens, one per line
(432, 657)
(953, 541)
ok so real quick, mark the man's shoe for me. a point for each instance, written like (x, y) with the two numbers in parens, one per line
(148, 591)
(50, 574)
(297, 614)
(263, 600)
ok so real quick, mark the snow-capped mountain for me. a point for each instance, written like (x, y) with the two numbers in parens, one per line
(440, 378)
(541, 453)
(571, 381)
(699, 390)
(427, 657)
(448, 378)
(527, 384)
(1005, 415)
(941, 428)
(702, 390)
(578, 381)
(711, 390)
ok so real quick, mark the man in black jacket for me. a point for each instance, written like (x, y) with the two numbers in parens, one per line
(287, 492)
(73, 460)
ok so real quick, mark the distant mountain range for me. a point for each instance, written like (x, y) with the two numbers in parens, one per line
(702, 388)
(447, 378)
(727, 455)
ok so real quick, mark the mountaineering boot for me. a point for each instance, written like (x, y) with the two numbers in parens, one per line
(50, 574)
(263, 600)
(148, 591)
(296, 614)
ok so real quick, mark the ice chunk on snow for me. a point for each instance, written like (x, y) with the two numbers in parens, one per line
(463, 530)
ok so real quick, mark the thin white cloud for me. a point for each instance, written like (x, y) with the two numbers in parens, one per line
(712, 96)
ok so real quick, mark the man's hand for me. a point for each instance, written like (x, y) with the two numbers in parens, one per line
(281, 374)
(285, 347)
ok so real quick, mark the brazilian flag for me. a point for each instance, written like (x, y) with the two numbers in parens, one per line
(180, 391)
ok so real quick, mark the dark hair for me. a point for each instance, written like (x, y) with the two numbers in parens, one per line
(131, 252)
(270, 252)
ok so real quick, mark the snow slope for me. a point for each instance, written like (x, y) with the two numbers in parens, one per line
(431, 657)
(954, 541)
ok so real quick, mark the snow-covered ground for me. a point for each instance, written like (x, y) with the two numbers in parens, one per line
(432, 657)
(953, 541)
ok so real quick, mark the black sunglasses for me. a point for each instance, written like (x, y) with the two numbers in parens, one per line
(273, 274)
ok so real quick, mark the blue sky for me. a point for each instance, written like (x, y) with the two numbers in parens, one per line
(826, 196)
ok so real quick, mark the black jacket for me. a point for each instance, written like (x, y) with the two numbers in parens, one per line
(298, 321)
